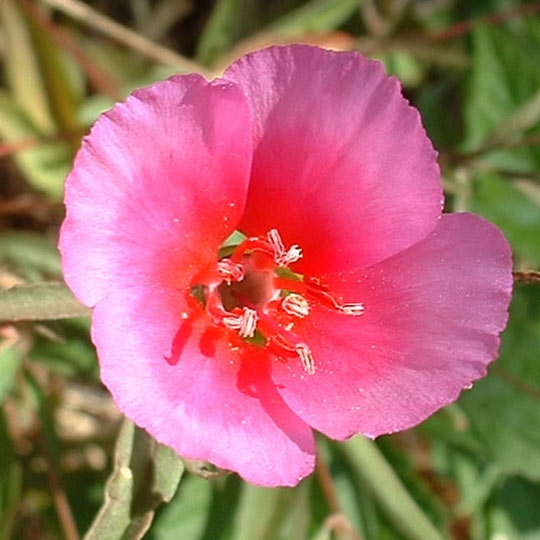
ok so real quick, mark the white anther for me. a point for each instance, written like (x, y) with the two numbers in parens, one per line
(275, 240)
(282, 256)
(230, 271)
(293, 254)
(352, 308)
(232, 321)
(249, 323)
(245, 323)
(295, 304)
(306, 357)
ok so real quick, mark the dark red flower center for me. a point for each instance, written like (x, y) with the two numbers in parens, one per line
(254, 293)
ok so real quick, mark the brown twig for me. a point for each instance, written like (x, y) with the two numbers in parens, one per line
(463, 158)
(527, 276)
(462, 28)
(36, 207)
(59, 496)
(327, 483)
(87, 15)
(521, 385)
(337, 520)
(27, 143)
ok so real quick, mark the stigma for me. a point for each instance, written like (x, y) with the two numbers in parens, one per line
(255, 294)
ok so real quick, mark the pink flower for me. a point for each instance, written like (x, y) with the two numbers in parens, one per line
(352, 306)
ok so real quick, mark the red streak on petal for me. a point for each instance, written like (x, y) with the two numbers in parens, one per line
(319, 291)
(182, 336)
(179, 342)
(208, 341)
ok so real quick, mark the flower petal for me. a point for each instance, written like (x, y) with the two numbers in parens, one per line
(431, 323)
(158, 184)
(341, 160)
(211, 405)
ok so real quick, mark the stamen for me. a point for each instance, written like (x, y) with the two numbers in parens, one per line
(285, 344)
(245, 322)
(275, 240)
(318, 290)
(351, 308)
(306, 357)
(293, 254)
(282, 256)
(230, 271)
(295, 304)
(249, 323)
(270, 299)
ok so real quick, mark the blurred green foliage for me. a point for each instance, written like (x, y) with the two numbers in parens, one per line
(472, 470)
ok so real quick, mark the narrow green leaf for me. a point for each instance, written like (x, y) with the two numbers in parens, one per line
(387, 488)
(221, 30)
(38, 73)
(44, 164)
(31, 251)
(522, 118)
(23, 69)
(324, 533)
(315, 16)
(518, 217)
(254, 525)
(145, 475)
(10, 482)
(9, 363)
(188, 513)
(501, 101)
(43, 301)
(61, 94)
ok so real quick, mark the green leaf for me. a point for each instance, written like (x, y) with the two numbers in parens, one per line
(513, 511)
(254, 525)
(34, 57)
(23, 67)
(223, 29)
(46, 164)
(525, 116)
(30, 252)
(502, 94)
(68, 351)
(504, 407)
(401, 509)
(187, 514)
(514, 212)
(10, 360)
(405, 66)
(10, 482)
(145, 475)
(315, 16)
(43, 301)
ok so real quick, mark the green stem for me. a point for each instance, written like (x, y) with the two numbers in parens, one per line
(145, 475)
(39, 302)
(388, 490)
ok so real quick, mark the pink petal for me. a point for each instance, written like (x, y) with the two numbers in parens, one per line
(157, 186)
(210, 405)
(431, 325)
(341, 160)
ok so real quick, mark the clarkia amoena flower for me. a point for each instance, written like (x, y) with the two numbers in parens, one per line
(348, 304)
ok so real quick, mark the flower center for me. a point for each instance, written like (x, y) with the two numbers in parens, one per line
(254, 293)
